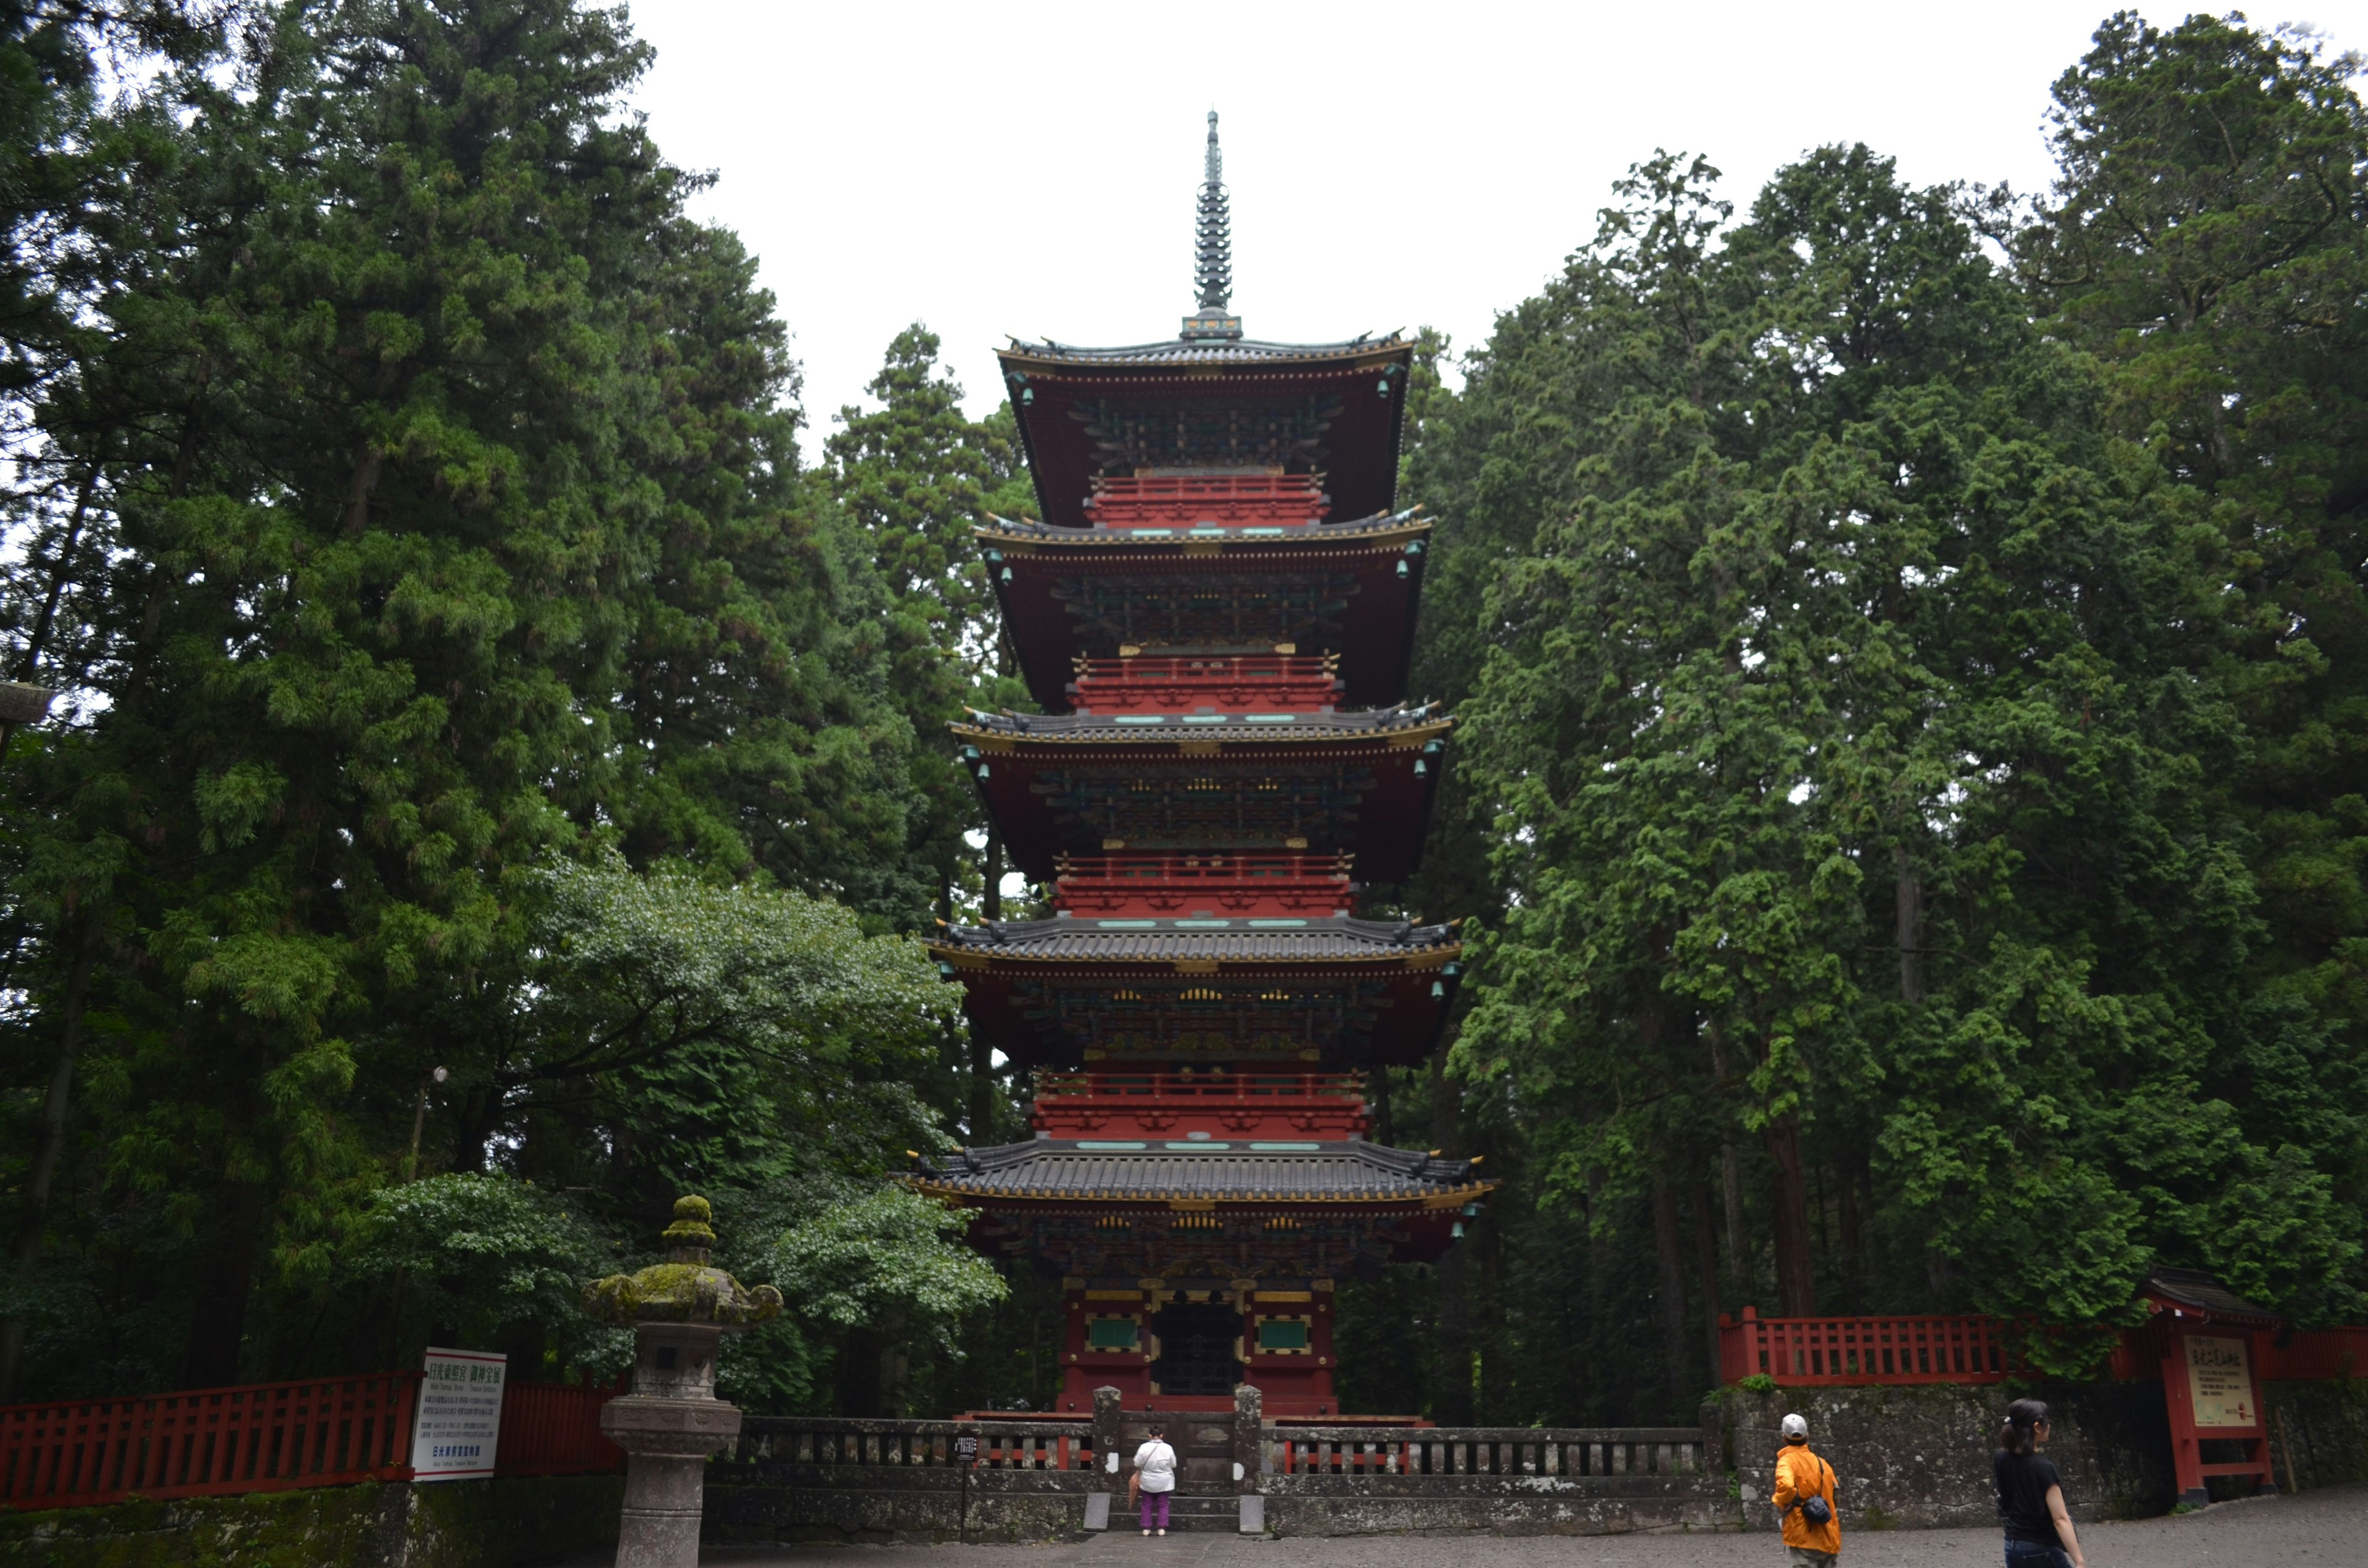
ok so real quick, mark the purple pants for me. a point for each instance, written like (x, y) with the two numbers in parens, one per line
(1154, 1510)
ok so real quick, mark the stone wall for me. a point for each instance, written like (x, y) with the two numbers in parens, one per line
(1918, 1458)
(2321, 1427)
(1489, 1504)
(769, 1502)
(453, 1524)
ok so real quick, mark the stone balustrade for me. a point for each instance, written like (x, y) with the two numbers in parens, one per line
(836, 1443)
(1501, 1451)
(833, 1479)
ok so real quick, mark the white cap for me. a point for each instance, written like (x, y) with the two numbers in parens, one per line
(1796, 1425)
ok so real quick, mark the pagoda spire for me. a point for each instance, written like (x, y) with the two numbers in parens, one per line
(1213, 250)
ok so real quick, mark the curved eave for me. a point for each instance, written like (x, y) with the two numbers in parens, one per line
(1302, 541)
(1179, 741)
(1175, 355)
(965, 957)
(983, 1196)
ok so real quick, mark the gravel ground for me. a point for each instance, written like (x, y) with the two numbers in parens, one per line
(2318, 1527)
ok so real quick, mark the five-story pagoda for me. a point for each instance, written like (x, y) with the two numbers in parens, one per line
(1216, 614)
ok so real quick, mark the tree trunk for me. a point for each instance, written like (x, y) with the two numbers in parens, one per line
(1730, 1176)
(1797, 1289)
(991, 899)
(218, 1308)
(1706, 1266)
(365, 468)
(1442, 1107)
(1451, 1400)
(982, 1055)
(1908, 929)
(981, 1089)
(1672, 1292)
(895, 1375)
(51, 1150)
(1846, 1190)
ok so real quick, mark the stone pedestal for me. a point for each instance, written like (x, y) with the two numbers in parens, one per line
(668, 1426)
(672, 1421)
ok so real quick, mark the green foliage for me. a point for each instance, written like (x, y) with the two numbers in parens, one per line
(888, 1253)
(462, 674)
(477, 1254)
(1905, 710)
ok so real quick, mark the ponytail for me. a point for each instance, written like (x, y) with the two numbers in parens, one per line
(2023, 1417)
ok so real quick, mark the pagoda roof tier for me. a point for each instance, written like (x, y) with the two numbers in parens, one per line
(1319, 1208)
(1362, 783)
(1265, 1172)
(1239, 940)
(1348, 588)
(1211, 403)
(1246, 993)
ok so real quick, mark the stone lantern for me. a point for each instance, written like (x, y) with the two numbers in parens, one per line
(679, 1312)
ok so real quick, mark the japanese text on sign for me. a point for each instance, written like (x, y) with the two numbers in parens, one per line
(2220, 1381)
(457, 1430)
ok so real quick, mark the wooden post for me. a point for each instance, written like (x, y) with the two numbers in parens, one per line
(2210, 1391)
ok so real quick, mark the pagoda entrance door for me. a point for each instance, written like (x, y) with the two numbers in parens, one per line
(1197, 1341)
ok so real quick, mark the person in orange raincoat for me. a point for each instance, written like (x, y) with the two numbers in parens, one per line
(1803, 1479)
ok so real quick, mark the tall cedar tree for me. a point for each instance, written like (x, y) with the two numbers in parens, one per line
(2207, 240)
(445, 527)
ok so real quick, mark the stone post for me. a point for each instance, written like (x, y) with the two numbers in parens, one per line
(679, 1312)
(1249, 1455)
(1107, 1439)
(1110, 1459)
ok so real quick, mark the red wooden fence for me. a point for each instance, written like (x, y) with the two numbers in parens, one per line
(1813, 1351)
(260, 1437)
(2319, 1353)
(271, 1437)
(554, 1429)
(1800, 1352)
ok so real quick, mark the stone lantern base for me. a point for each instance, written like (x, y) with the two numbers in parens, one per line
(666, 1442)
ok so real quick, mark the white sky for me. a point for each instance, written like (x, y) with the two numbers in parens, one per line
(1028, 167)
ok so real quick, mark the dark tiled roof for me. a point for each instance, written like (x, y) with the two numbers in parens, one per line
(2192, 1287)
(1153, 1170)
(1204, 726)
(1203, 351)
(1324, 532)
(1237, 940)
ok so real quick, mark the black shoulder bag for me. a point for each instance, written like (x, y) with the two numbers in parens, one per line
(1814, 1508)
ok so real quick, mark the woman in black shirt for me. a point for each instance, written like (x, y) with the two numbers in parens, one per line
(2031, 1495)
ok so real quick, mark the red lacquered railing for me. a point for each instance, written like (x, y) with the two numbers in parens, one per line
(554, 1429)
(1247, 1088)
(255, 1437)
(1809, 1351)
(1203, 868)
(1226, 500)
(1231, 884)
(1262, 683)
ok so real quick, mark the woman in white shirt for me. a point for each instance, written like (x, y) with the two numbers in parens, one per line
(1154, 1467)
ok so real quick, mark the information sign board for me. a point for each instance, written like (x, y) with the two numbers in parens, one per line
(2220, 1381)
(458, 1427)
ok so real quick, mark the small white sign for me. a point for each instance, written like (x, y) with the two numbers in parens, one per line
(2220, 1381)
(458, 1426)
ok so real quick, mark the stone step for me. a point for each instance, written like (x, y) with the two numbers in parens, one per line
(1190, 1512)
